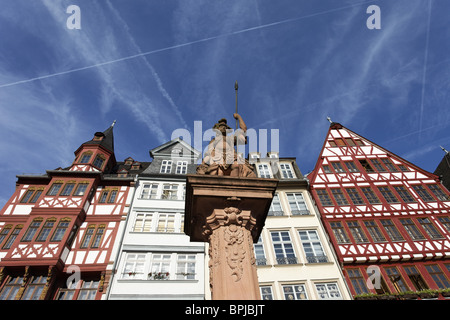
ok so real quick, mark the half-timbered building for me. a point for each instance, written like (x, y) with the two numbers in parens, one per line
(388, 219)
(58, 229)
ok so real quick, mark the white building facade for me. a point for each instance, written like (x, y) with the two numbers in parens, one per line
(295, 259)
(156, 260)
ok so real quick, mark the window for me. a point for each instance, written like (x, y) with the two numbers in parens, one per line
(328, 291)
(27, 196)
(370, 195)
(351, 166)
(429, 228)
(286, 171)
(181, 167)
(81, 189)
(32, 229)
(339, 232)
(12, 237)
(388, 195)
(445, 221)
(36, 196)
(326, 168)
(266, 292)
(98, 162)
(339, 197)
(282, 244)
(160, 266)
(312, 247)
(366, 166)
(403, 167)
(68, 188)
(166, 223)
(112, 196)
(416, 278)
(350, 142)
(259, 253)
(169, 192)
(143, 222)
(61, 229)
(88, 290)
(98, 236)
(185, 267)
(438, 192)
(134, 266)
(391, 230)
(103, 196)
(166, 166)
(389, 165)
(275, 207)
(149, 191)
(34, 288)
(357, 232)
(338, 167)
(54, 189)
(423, 193)
(85, 157)
(332, 143)
(46, 229)
(264, 170)
(355, 196)
(88, 236)
(412, 230)
(438, 276)
(4, 233)
(357, 281)
(294, 292)
(374, 231)
(11, 288)
(396, 279)
(359, 142)
(324, 197)
(297, 204)
(404, 194)
(340, 142)
(377, 164)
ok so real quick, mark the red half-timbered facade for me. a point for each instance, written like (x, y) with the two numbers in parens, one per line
(388, 220)
(57, 231)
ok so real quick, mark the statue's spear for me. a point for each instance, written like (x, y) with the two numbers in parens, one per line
(236, 89)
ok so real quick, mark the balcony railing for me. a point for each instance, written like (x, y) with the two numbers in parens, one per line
(287, 260)
(317, 259)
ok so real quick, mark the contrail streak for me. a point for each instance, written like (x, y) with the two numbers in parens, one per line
(182, 45)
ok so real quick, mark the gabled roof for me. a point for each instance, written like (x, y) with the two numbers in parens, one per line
(338, 126)
(168, 149)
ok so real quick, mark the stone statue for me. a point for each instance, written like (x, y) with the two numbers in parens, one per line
(221, 158)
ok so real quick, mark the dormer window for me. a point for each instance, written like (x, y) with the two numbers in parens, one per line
(264, 170)
(86, 157)
(286, 171)
(122, 173)
(129, 161)
(166, 166)
(98, 162)
(136, 165)
(272, 154)
(181, 167)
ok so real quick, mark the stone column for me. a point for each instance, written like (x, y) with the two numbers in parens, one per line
(232, 269)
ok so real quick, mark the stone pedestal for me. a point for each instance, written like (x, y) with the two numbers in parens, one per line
(229, 213)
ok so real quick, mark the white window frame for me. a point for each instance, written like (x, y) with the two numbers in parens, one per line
(276, 201)
(181, 167)
(287, 172)
(266, 295)
(166, 166)
(298, 205)
(296, 294)
(264, 170)
(312, 246)
(169, 191)
(283, 246)
(327, 292)
(149, 191)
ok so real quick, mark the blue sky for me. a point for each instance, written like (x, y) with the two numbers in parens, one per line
(159, 65)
